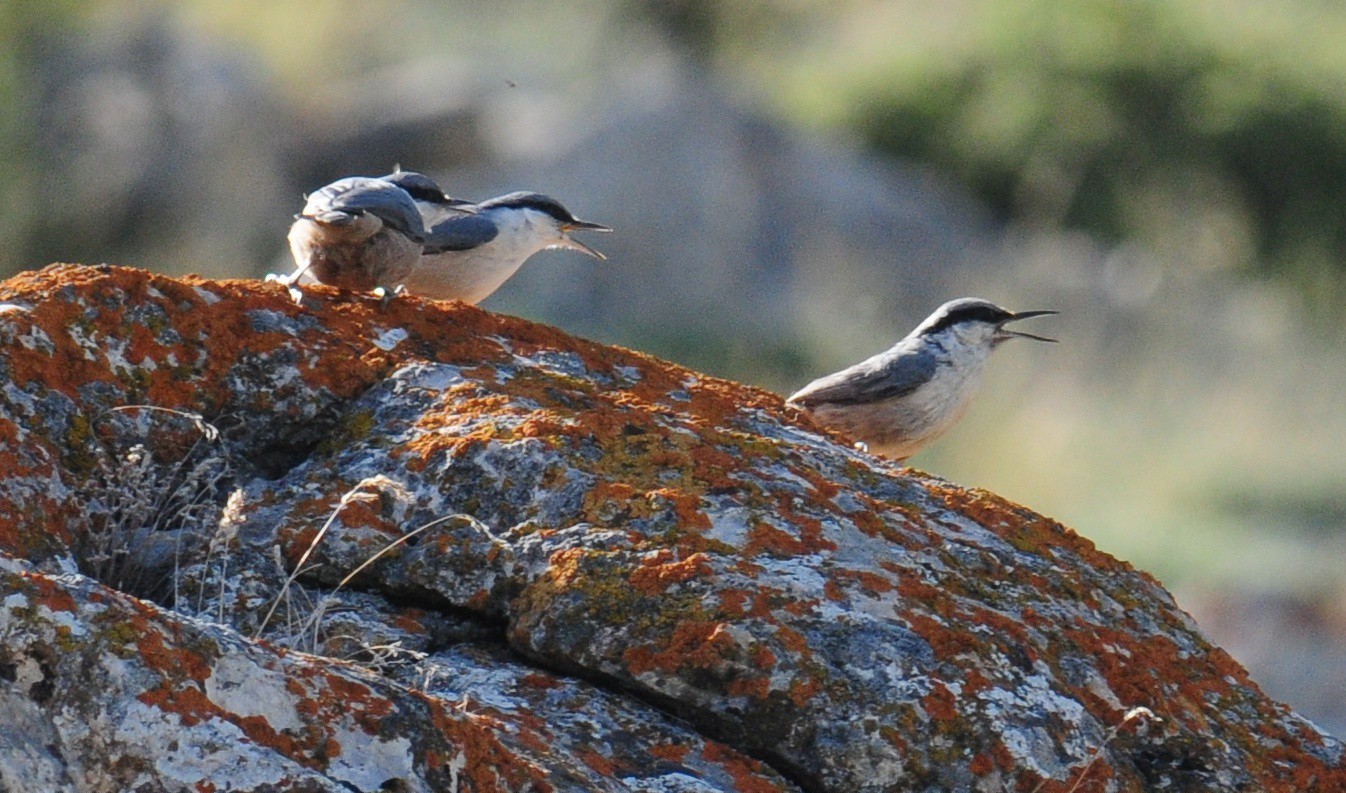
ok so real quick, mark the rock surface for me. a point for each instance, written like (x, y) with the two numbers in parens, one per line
(583, 569)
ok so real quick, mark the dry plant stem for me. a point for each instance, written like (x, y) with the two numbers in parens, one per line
(346, 498)
(138, 502)
(437, 521)
(226, 530)
(305, 633)
(1132, 714)
(314, 622)
(207, 429)
(289, 580)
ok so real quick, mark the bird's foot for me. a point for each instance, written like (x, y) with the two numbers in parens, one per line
(386, 296)
(861, 446)
(287, 281)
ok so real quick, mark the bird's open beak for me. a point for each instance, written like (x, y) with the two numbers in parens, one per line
(570, 243)
(584, 225)
(1003, 334)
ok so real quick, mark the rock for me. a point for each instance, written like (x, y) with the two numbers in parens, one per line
(575, 567)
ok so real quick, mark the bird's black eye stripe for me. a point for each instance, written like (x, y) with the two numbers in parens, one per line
(535, 201)
(983, 313)
(418, 186)
(421, 193)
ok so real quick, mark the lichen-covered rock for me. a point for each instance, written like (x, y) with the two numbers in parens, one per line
(557, 547)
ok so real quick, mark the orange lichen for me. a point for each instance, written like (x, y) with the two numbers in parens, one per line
(982, 764)
(802, 690)
(605, 497)
(1021, 527)
(756, 687)
(870, 583)
(539, 680)
(791, 639)
(409, 619)
(915, 590)
(802, 608)
(733, 602)
(490, 765)
(540, 742)
(687, 506)
(188, 703)
(765, 538)
(44, 592)
(365, 705)
(746, 772)
(694, 644)
(762, 657)
(172, 660)
(672, 752)
(596, 761)
(974, 681)
(941, 704)
(366, 512)
(947, 643)
(660, 571)
(191, 706)
(564, 567)
(810, 528)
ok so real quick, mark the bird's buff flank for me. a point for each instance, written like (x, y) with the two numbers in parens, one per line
(356, 233)
(899, 401)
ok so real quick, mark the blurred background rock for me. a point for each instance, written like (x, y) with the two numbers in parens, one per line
(795, 184)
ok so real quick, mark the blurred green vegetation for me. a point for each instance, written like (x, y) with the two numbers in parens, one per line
(1153, 121)
(1212, 131)
(24, 24)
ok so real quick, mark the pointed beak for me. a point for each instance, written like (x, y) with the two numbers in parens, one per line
(584, 225)
(1005, 334)
(573, 244)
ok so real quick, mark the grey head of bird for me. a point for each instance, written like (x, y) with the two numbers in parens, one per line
(542, 217)
(422, 188)
(972, 321)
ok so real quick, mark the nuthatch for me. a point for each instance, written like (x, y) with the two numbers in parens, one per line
(899, 401)
(471, 249)
(433, 203)
(356, 233)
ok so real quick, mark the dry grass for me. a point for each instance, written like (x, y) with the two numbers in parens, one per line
(302, 618)
(142, 514)
(1131, 715)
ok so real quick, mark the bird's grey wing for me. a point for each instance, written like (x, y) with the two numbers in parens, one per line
(385, 201)
(885, 376)
(433, 214)
(460, 234)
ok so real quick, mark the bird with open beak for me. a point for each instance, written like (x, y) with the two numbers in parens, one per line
(471, 249)
(899, 401)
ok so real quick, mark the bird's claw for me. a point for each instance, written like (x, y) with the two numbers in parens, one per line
(861, 446)
(287, 281)
(386, 295)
